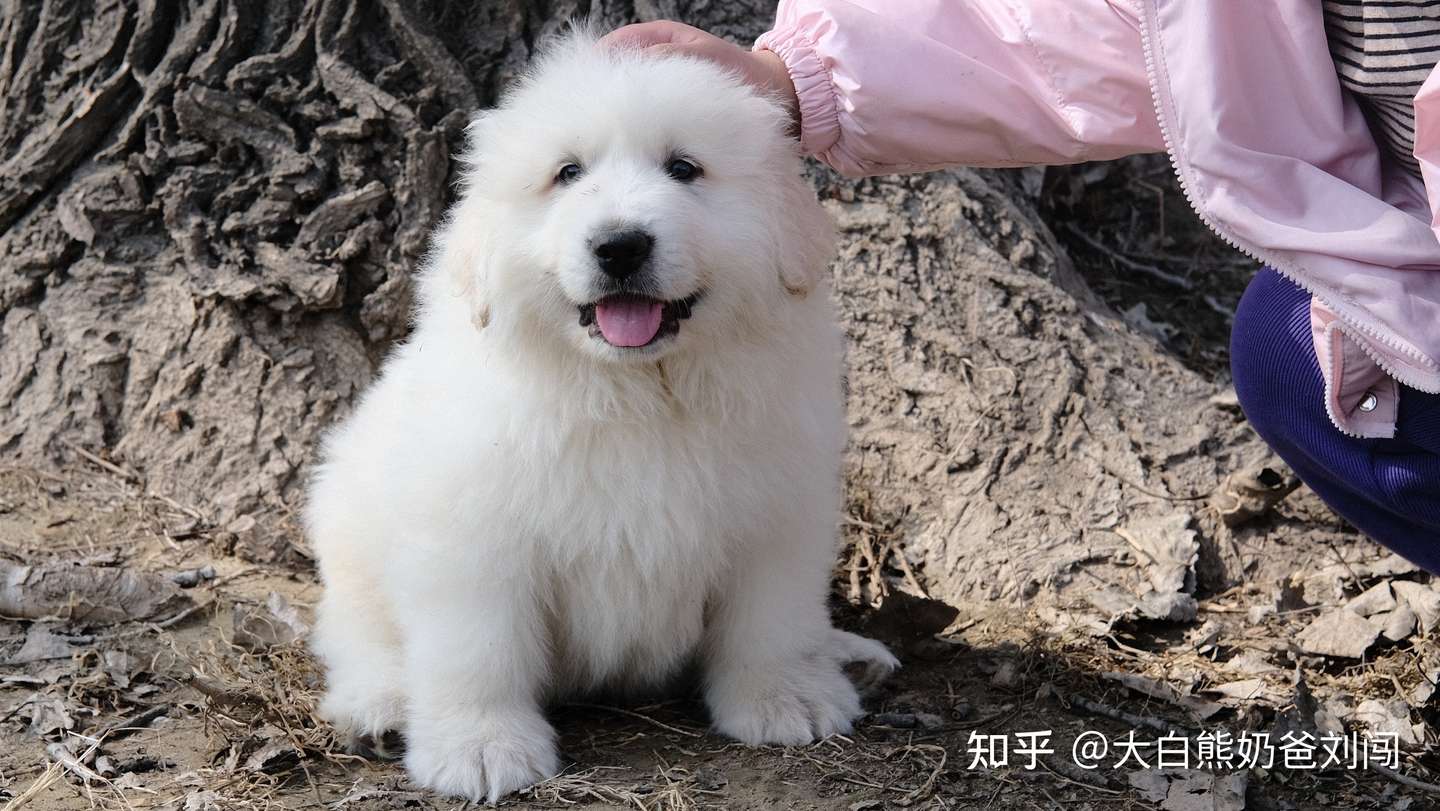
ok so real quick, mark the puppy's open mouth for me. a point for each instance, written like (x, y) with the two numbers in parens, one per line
(628, 321)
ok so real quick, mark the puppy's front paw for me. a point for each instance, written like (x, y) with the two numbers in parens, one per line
(792, 704)
(494, 755)
(875, 662)
(366, 717)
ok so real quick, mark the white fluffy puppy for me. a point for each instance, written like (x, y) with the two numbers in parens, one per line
(612, 443)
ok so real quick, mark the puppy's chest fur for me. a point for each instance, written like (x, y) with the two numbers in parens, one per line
(639, 525)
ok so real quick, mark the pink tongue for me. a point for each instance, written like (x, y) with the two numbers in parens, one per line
(628, 321)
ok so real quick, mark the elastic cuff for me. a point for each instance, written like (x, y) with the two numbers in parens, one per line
(815, 90)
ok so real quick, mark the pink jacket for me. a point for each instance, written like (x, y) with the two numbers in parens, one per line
(1271, 153)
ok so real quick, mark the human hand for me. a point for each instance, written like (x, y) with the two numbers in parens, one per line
(762, 69)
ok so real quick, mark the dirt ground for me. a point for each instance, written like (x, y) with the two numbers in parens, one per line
(208, 702)
(1040, 421)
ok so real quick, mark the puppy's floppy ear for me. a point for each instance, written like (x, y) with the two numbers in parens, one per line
(461, 253)
(805, 242)
(459, 264)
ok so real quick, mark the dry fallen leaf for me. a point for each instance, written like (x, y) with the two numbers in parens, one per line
(1422, 692)
(47, 716)
(1190, 790)
(1423, 600)
(1374, 600)
(41, 645)
(1168, 549)
(1387, 718)
(1398, 624)
(1251, 493)
(1198, 708)
(1251, 663)
(1167, 606)
(1339, 633)
(203, 801)
(1246, 691)
(260, 629)
(275, 755)
(118, 665)
(91, 595)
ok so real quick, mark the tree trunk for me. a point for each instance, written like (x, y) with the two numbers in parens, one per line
(211, 210)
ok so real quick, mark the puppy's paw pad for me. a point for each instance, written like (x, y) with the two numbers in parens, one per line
(790, 711)
(385, 746)
(483, 767)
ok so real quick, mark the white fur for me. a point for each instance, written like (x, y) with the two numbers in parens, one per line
(517, 511)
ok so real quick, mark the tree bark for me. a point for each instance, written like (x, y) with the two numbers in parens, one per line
(211, 210)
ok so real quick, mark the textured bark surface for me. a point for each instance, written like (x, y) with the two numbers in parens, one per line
(211, 210)
(1017, 435)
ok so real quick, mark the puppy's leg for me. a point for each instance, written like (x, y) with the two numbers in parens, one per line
(356, 639)
(475, 666)
(772, 673)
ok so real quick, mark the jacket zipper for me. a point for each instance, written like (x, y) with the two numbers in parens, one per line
(1147, 34)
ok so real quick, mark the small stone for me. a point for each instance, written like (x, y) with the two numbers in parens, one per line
(1005, 675)
(190, 578)
(1259, 613)
(1226, 399)
(708, 779)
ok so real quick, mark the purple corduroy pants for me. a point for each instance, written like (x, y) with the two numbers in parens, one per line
(1387, 488)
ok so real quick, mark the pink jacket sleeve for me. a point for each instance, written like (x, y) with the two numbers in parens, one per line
(912, 85)
(1427, 142)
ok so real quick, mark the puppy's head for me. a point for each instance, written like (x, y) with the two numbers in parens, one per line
(629, 205)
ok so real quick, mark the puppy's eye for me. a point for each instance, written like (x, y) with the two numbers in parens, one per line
(682, 170)
(567, 174)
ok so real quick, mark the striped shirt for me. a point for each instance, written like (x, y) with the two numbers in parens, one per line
(1384, 50)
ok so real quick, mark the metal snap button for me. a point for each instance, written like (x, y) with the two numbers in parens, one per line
(1368, 402)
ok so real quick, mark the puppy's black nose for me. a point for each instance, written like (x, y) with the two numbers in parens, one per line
(621, 253)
